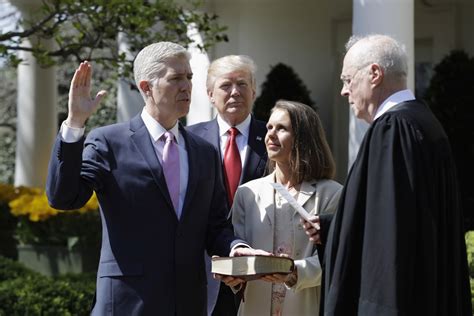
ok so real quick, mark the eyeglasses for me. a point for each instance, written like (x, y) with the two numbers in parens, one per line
(347, 80)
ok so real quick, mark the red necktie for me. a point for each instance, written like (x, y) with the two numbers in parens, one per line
(232, 164)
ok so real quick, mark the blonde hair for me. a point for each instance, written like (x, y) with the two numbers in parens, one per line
(229, 64)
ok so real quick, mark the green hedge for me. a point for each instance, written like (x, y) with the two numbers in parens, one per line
(24, 292)
(10, 270)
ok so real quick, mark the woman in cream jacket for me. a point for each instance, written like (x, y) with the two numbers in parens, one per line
(299, 159)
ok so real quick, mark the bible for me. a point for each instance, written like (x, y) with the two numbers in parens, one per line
(251, 267)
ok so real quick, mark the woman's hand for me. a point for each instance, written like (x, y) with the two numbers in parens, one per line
(312, 229)
(228, 280)
(275, 278)
(289, 279)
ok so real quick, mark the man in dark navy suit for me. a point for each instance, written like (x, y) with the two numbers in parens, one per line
(239, 139)
(160, 190)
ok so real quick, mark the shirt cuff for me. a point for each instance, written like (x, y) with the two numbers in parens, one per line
(70, 134)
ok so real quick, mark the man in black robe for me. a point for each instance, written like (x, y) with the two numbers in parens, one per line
(396, 244)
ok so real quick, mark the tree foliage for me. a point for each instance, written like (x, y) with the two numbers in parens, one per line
(88, 30)
(8, 98)
(104, 115)
(282, 83)
(450, 96)
(7, 124)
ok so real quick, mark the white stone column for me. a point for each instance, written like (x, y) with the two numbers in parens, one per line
(200, 109)
(391, 17)
(129, 101)
(37, 115)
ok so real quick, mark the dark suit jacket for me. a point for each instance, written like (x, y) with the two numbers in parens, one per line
(151, 263)
(256, 159)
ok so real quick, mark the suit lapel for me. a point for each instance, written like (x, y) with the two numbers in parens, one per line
(211, 134)
(256, 155)
(141, 138)
(307, 190)
(193, 175)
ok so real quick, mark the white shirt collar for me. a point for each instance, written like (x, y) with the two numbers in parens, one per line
(394, 99)
(155, 129)
(244, 127)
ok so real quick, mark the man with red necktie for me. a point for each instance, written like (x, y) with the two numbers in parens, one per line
(239, 139)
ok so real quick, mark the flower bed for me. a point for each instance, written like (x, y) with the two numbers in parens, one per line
(49, 235)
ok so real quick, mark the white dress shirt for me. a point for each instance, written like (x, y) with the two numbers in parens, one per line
(241, 139)
(156, 131)
(393, 100)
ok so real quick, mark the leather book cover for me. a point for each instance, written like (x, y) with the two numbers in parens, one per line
(251, 267)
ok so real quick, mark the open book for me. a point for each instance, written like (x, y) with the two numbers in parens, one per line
(251, 267)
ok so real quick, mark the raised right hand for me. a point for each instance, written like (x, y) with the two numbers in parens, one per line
(81, 105)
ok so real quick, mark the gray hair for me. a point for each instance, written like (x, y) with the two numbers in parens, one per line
(149, 63)
(229, 64)
(383, 50)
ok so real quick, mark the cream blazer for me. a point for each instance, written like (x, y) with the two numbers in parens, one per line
(253, 217)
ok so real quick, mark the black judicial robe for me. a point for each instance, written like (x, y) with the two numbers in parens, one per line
(396, 244)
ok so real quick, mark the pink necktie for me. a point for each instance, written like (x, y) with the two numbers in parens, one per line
(232, 164)
(171, 168)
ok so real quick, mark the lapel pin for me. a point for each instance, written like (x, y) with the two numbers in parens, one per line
(259, 138)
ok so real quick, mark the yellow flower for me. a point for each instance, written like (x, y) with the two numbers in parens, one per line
(32, 202)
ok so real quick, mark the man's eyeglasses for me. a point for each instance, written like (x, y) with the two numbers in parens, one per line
(347, 80)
